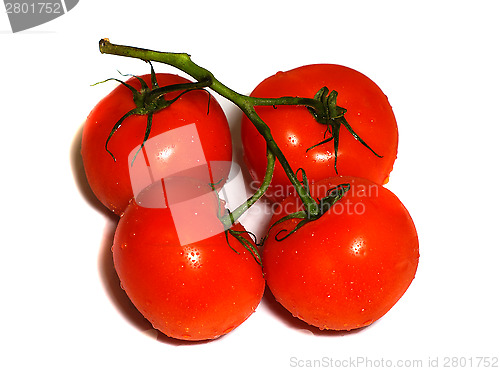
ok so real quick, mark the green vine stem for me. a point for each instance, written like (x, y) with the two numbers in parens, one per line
(229, 219)
(183, 62)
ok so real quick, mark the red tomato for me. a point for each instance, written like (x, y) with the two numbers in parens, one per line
(295, 130)
(110, 180)
(349, 267)
(191, 290)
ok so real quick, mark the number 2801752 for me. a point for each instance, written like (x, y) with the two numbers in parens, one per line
(34, 8)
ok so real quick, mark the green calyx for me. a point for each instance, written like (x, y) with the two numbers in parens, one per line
(333, 195)
(247, 239)
(243, 238)
(331, 110)
(332, 116)
(149, 101)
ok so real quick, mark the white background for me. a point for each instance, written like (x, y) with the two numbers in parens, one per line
(437, 61)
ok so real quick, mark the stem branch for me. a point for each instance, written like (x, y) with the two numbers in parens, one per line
(229, 219)
(183, 62)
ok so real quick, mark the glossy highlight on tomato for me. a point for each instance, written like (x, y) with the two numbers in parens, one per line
(348, 268)
(199, 290)
(109, 178)
(295, 130)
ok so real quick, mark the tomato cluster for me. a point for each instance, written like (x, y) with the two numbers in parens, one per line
(156, 152)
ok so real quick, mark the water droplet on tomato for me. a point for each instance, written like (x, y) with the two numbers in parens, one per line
(369, 322)
(402, 266)
(293, 140)
(229, 329)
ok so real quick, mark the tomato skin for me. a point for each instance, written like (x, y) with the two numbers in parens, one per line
(295, 130)
(348, 268)
(195, 291)
(109, 179)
